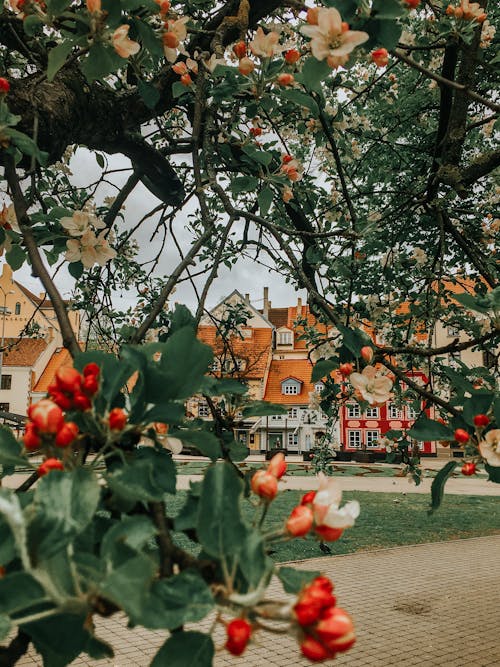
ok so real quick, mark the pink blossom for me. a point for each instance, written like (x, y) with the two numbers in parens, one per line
(490, 447)
(123, 45)
(330, 519)
(331, 39)
(264, 45)
(175, 33)
(371, 385)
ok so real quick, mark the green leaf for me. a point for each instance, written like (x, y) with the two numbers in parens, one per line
(150, 41)
(166, 413)
(477, 303)
(75, 269)
(257, 155)
(7, 543)
(478, 404)
(56, 7)
(63, 506)
(186, 649)
(127, 586)
(15, 257)
(178, 89)
(262, 409)
(59, 639)
(132, 531)
(149, 93)
(10, 449)
(146, 478)
(493, 473)
(437, 487)
(244, 184)
(323, 369)
(10, 510)
(237, 450)
(5, 626)
(184, 598)
(221, 530)
(32, 24)
(301, 100)
(101, 61)
(57, 58)
(384, 33)
(206, 443)
(354, 339)
(19, 591)
(428, 429)
(294, 580)
(496, 410)
(313, 73)
(254, 564)
(229, 387)
(265, 199)
(387, 9)
(26, 145)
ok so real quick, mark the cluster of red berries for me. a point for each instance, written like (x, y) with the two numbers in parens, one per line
(265, 482)
(47, 424)
(72, 390)
(238, 633)
(327, 629)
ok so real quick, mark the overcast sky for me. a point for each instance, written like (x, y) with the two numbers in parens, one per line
(246, 276)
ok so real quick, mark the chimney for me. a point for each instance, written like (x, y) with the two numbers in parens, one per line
(299, 307)
(247, 298)
(267, 305)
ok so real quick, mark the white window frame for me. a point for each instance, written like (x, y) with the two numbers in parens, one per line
(276, 418)
(350, 438)
(395, 412)
(290, 389)
(353, 408)
(285, 337)
(375, 415)
(411, 413)
(370, 439)
(293, 413)
(292, 440)
(318, 387)
(203, 409)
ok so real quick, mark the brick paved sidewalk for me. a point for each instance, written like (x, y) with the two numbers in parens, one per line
(413, 605)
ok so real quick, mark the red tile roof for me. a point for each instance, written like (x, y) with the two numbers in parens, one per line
(59, 359)
(23, 351)
(255, 351)
(299, 369)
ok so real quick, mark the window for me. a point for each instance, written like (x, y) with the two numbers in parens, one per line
(354, 439)
(410, 413)
(318, 387)
(276, 418)
(285, 338)
(6, 382)
(453, 330)
(372, 438)
(290, 389)
(395, 412)
(293, 441)
(17, 309)
(4, 407)
(242, 437)
(215, 366)
(293, 413)
(232, 365)
(203, 409)
(371, 413)
(353, 410)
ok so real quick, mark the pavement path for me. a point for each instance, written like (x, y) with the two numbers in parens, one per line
(429, 605)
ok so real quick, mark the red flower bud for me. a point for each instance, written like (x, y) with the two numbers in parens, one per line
(468, 469)
(346, 369)
(68, 379)
(246, 66)
(90, 385)
(46, 416)
(286, 159)
(264, 484)
(313, 650)
(48, 465)
(255, 131)
(91, 369)
(117, 419)
(291, 56)
(3, 571)
(240, 50)
(335, 629)
(31, 439)
(380, 57)
(461, 435)
(186, 80)
(308, 498)
(328, 534)
(238, 632)
(412, 4)
(81, 402)
(277, 465)
(4, 85)
(300, 521)
(481, 421)
(367, 353)
(62, 400)
(66, 434)
(285, 79)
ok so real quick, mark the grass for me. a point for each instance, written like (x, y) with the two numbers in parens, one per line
(386, 520)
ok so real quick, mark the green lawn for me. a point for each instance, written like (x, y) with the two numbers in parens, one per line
(386, 520)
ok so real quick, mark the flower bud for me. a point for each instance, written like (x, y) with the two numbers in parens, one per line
(180, 68)
(461, 435)
(468, 469)
(264, 484)
(4, 85)
(91, 369)
(328, 534)
(481, 420)
(255, 131)
(170, 40)
(117, 419)
(186, 79)
(238, 632)
(335, 629)
(90, 385)
(346, 369)
(31, 439)
(66, 434)
(46, 416)
(308, 498)
(300, 521)
(240, 49)
(48, 465)
(313, 650)
(68, 379)
(81, 402)
(285, 79)
(312, 15)
(367, 353)
(60, 399)
(277, 465)
(291, 56)
(246, 66)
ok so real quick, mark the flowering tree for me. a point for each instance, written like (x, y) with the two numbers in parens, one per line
(356, 143)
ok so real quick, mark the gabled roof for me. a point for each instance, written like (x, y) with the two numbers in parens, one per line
(59, 359)
(241, 298)
(41, 303)
(298, 369)
(23, 351)
(255, 351)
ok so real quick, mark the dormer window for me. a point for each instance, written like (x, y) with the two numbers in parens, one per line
(318, 387)
(291, 386)
(285, 337)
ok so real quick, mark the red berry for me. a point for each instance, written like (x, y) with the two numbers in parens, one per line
(66, 434)
(481, 420)
(61, 399)
(238, 632)
(31, 439)
(81, 402)
(91, 369)
(46, 416)
(286, 159)
(380, 57)
(4, 85)
(117, 419)
(90, 385)
(48, 465)
(461, 435)
(468, 469)
(68, 379)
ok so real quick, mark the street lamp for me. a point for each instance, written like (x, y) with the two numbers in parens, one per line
(4, 313)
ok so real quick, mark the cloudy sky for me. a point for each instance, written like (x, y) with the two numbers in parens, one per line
(246, 276)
